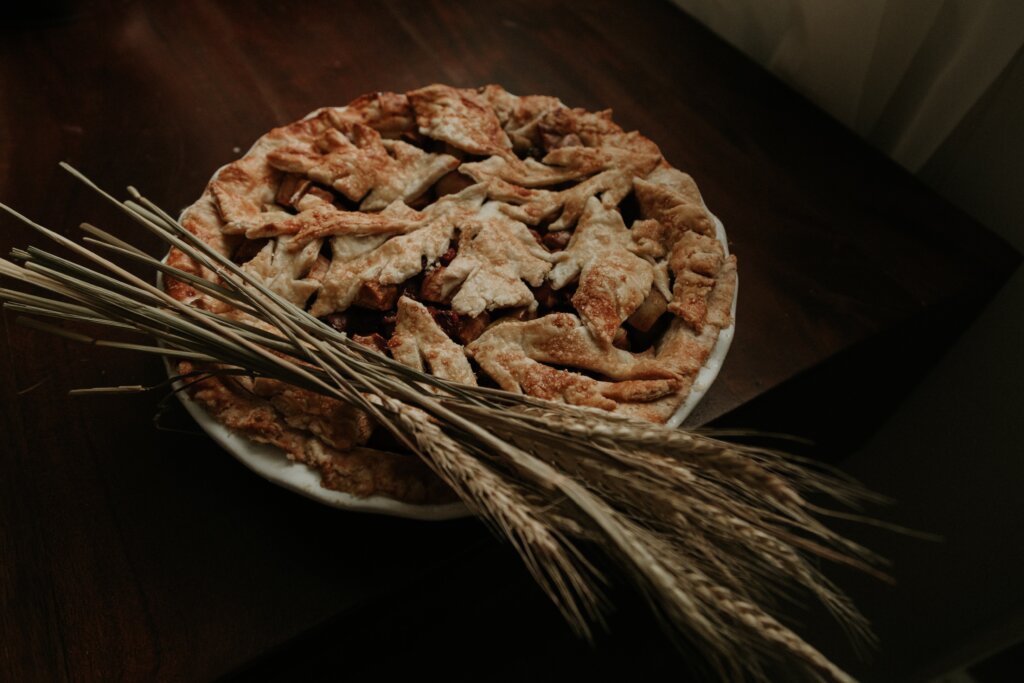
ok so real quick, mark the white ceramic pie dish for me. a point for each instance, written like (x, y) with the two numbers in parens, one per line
(272, 464)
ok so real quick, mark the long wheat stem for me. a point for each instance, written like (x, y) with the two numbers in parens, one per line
(708, 529)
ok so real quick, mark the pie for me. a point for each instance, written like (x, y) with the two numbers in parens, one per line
(482, 237)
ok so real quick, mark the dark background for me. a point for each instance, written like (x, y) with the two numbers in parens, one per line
(134, 549)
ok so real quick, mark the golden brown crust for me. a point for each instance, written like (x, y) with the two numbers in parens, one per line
(419, 342)
(462, 118)
(613, 282)
(343, 466)
(355, 203)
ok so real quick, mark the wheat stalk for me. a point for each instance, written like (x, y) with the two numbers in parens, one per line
(710, 531)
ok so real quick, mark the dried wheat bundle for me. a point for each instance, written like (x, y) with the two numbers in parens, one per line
(709, 531)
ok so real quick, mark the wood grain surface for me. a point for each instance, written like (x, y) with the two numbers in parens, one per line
(131, 548)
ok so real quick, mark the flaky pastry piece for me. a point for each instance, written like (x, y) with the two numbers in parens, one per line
(480, 236)
(612, 281)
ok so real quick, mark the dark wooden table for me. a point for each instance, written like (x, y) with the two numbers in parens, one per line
(131, 551)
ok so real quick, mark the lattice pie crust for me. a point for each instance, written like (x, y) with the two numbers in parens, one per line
(483, 237)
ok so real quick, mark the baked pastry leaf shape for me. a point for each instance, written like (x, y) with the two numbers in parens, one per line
(478, 236)
(613, 281)
(680, 226)
(420, 343)
(462, 118)
(357, 162)
(496, 255)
